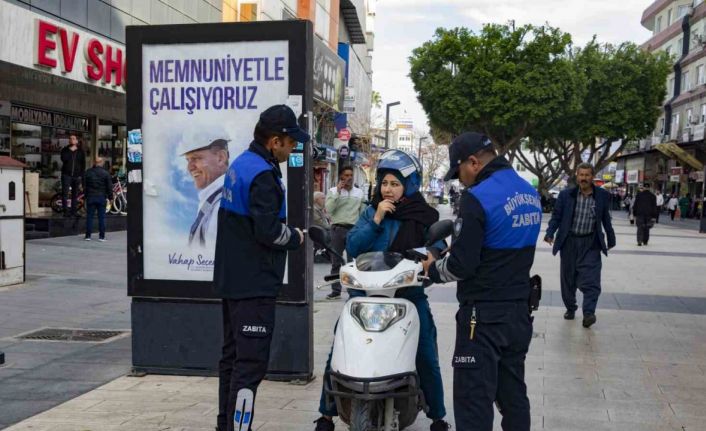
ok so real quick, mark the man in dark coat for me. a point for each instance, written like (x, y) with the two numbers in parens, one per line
(645, 211)
(98, 187)
(73, 166)
(580, 215)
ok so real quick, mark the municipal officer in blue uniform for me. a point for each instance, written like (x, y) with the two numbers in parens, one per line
(490, 258)
(251, 251)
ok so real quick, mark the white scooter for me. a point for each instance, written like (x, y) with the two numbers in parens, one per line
(373, 379)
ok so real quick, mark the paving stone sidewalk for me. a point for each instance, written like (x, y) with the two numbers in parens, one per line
(642, 367)
(633, 371)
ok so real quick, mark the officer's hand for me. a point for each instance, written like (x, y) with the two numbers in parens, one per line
(427, 263)
(301, 235)
(549, 240)
(384, 207)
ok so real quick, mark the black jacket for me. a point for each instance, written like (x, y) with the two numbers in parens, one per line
(97, 183)
(73, 163)
(563, 218)
(492, 255)
(645, 205)
(250, 250)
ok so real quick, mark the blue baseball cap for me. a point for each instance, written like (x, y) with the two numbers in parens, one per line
(281, 119)
(464, 146)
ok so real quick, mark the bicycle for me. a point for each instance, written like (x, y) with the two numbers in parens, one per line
(118, 205)
(56, 202)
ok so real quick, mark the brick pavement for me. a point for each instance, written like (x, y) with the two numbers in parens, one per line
(642, 367)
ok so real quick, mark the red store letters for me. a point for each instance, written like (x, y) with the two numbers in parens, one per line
(103, 62)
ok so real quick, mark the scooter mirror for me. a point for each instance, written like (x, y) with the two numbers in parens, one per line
(440, 230)
(319, 235)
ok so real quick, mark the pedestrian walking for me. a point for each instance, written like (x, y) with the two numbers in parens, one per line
(579, 217)
(73, 166)
(645, 210)
(490, 260)
(672, 206)
(344, 204)
(251, 252)
(660, 204)
(322, 220)
(98, 189)
(684, 203)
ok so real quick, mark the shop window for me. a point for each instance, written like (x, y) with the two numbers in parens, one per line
(11, 190)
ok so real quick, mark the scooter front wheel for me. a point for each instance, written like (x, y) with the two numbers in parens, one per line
(361, 416)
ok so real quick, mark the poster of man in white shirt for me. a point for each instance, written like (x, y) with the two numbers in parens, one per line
(206, 159)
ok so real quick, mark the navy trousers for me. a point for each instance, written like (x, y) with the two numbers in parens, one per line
(581, 269)
(489, 366)
(95, 204)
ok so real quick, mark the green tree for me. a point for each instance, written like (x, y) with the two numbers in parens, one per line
(622, 89)
(376, 99)
(503, 82)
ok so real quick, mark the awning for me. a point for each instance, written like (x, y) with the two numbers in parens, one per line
(674, 151)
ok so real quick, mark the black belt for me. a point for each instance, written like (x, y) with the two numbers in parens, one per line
(344, 225)
(581, 235)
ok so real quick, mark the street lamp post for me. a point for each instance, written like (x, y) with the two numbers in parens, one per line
(387, 123)
(419, 150)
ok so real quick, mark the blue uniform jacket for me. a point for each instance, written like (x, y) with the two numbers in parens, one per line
(253, 238)
(493, 253)
(367, 236)
(563, 217)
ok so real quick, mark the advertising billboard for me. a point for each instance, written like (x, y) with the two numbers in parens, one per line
(201, 104)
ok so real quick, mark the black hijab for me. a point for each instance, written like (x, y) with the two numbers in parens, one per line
(414, 214)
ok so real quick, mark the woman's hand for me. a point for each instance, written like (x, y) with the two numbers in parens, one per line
(384, 207)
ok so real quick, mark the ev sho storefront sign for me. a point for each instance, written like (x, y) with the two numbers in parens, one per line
(200, 104)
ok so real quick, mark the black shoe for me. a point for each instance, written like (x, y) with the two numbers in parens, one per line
(569, 315)
(333, 295)
(439, 425)
(589, 320)
(639, 244)
(324, 424)
(645, 243)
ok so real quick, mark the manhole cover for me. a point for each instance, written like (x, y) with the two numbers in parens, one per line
(63, 334)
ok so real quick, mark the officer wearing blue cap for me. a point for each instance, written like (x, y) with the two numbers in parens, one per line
(490, 259)
(251, 251)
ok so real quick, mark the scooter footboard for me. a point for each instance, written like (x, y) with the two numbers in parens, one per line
(373, 388)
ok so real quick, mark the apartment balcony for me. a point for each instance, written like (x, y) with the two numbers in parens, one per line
(698, 132)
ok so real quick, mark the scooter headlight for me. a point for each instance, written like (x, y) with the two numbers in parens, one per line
(404, 279)
(374, 317)
(349, 281)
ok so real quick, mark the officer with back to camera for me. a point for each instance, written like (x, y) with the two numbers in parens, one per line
(490, 258)
(251, 251)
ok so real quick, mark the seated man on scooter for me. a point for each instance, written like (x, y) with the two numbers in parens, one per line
(397, 221)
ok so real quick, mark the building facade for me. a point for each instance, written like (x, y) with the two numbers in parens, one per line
(672, 159)
(62, 64)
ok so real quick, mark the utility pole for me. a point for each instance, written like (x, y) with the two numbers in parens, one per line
(387, 123)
